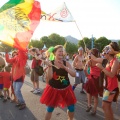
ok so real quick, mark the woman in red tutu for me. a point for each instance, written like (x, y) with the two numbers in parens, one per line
(92, 85)
(58, 91)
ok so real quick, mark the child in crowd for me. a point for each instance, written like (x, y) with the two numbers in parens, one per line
(6, 82)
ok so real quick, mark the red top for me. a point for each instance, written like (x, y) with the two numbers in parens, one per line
(112, 83)
(6, 79)
(34, 63)
(94, 70)
(18, 64)
(1, 80)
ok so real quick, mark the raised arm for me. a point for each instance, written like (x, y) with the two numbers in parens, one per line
(9, 60)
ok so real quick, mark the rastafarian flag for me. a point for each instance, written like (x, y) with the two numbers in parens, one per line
(18, 21)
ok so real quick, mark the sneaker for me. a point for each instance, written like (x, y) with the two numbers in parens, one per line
(33, 89)
(22, 106)
(18, 105)
(8, 98)
(1, 96)
(5, 100)
(88, 108)
(36, 91)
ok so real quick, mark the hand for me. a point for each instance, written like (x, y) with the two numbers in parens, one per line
(99, 66)
(48, 63)
(86, 67)
(87, 50)
(61, 64)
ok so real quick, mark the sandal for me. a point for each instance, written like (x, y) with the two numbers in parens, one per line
(88, 108)
(93, 113)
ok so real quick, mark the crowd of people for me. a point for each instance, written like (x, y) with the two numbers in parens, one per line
(98, 76)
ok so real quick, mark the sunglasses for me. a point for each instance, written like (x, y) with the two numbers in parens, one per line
(104, 53)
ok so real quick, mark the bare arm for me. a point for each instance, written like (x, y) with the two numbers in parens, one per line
(69, 69)
(86, 67)
(99, 60)
(75, 61)
(9, 60)
(113, 71)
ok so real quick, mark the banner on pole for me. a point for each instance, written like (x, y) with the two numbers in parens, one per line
(61, 14)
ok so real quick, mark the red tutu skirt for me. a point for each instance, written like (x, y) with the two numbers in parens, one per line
(92, 86)
(58, 97)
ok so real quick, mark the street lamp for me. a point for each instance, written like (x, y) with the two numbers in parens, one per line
(92, 42)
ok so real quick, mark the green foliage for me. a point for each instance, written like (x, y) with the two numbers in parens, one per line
(101, 42)
(45, 40)
(56, 39)
(85, 40)
(119, 43)
(3, 46)
(71, 48)
(35, 43)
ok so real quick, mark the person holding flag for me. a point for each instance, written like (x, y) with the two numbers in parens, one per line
(21, 17)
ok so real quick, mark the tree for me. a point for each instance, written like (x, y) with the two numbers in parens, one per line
(35, 43)
(45, 40)
(85, 40)
(71, 48)
(3, 46)
(119, 43)
(101, 42)
(56, 39)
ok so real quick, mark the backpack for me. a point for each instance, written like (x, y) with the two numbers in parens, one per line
(39, 69)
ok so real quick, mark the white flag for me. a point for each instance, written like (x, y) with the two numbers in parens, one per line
(59, 14)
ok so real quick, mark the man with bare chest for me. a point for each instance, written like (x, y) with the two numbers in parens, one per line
(78, 64)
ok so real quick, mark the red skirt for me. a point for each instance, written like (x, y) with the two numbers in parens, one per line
(58, 97)
(92, 86)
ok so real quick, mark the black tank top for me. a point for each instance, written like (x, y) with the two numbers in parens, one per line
(60, 78)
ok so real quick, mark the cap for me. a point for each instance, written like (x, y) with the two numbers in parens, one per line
(80, 48)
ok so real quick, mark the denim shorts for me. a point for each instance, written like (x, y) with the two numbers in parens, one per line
(1, 86)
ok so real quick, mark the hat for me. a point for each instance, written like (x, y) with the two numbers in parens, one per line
(80, 48)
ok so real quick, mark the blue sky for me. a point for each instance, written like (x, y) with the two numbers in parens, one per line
(93, 17)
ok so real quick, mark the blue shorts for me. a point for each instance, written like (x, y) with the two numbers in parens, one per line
(1, 86)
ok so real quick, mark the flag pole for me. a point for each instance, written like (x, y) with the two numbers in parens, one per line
(80, 33)
(77, 27)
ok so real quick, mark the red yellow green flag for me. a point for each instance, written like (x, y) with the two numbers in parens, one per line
(18, 21)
